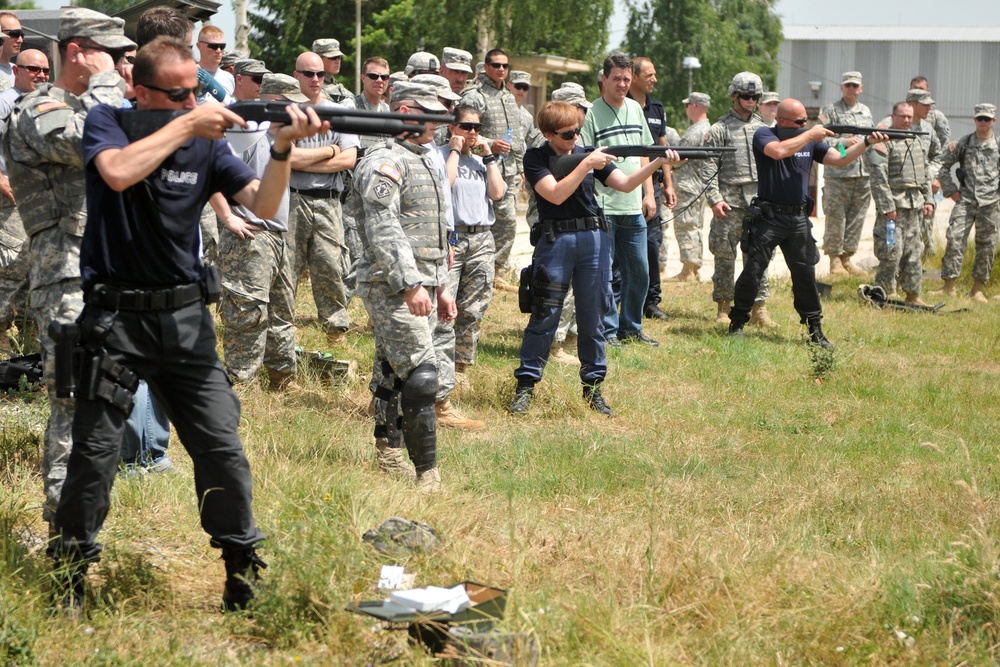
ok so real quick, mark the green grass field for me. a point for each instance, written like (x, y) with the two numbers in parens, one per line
(754, 502)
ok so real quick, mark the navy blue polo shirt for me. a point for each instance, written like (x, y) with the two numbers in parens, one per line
(582, 203)
(149, 235)
(784, 181)
(656, 117)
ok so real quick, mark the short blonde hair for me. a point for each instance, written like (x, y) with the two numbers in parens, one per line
(557, 114)
(211, 31)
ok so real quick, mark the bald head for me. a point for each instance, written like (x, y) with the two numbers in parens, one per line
(791, 108)
(28, 70)
(312, 82)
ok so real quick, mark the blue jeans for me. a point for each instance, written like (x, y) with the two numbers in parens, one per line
(582, 259)
(147, 430)
(627, 235)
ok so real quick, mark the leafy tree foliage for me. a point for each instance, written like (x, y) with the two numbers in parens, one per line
(109, 7)
(727, 36)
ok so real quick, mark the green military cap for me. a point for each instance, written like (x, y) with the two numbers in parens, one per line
(284, 85)
(328, 48)
(701, 99)
(250, 66)
(571, 93)
(850, 77)
(229, 58)
(985, 109)
(439, 83)
(520, 76)
(421, 61)
(920, 96)
(423, 94)
(102, 29)
(769, 96)
(457, 59)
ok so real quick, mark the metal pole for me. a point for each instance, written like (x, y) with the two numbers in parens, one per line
(357, 47)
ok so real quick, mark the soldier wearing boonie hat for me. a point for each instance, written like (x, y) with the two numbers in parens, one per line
(422, 62)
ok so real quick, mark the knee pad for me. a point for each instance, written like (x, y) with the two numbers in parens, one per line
(422, 385)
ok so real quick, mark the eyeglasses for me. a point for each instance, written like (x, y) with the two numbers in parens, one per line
(377, 77)
(257, 78)
(470, 127)
(173, 94)
(499, 65)
(522, 86)
(116, 54)
(14, 34)
(34, 69)
(129, 59)
(851, 85)
(983, 119)
(749, 96)
(568, 134)
(798, 121)
(311, 74)
(215, 46)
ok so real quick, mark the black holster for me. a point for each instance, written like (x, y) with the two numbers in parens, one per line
(754, 214)
(526, 291)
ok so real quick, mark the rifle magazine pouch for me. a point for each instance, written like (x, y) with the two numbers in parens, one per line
(524, 290)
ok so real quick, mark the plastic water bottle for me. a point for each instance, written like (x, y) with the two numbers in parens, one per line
(890, 232)
(509, 137)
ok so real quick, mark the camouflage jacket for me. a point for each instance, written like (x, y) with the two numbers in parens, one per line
(980, 165)
(498, 111)
(942, 128)
(933, 148)
(361, 102)
(840, 114)
(337, 92)
(688, 178)
(733, 177)
(403, 231)
(899, 175)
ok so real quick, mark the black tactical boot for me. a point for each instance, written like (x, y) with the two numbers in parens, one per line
(522, 399)
(816, 335)
(735, 330)
(592, 394)
(242, 574)
(68, 592)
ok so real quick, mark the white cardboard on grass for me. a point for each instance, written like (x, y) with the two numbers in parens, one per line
(433, 598)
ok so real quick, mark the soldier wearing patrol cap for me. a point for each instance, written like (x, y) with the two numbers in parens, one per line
(690, 188)
(977, 201)
(731, 184)
(422, 62)
(329, 51)
(456, 66)
(768, 107)
(45, 166)
(402, 281)
(248, 75)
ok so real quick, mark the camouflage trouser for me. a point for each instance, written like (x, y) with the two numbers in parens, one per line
(257, 305)
(902, 257)
(353, 242)
(209, 225)
(316, 241)
(723, 243)
(845, 204)
(62, 301)
(963, 217)
(688, 224)
(470, 282)
(927, 233)
(505, 227)
(567, 318)
(13, 267)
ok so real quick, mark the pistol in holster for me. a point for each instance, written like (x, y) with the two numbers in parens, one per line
(755, 212)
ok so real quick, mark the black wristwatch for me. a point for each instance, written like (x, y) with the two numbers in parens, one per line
(280, 157)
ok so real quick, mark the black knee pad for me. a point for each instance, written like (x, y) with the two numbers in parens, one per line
(422, 385)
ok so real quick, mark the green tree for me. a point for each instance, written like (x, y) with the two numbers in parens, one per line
(727, 36)
(109, 7)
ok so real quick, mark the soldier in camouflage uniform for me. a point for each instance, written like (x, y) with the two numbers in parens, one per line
(329, 51)
(501, 120)
(43, 145)
(422, 62)
(846, 190)
(977, 201)
(456, 66)
(901, 187)
(768, 108)
(316, 226)
(935, 117)
(689, 184)
(731, 184)
(402, 280)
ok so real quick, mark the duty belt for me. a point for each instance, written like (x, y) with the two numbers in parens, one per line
(573, 225)
(322, 193)
(785, 209)
(472, 229)
(112, 298)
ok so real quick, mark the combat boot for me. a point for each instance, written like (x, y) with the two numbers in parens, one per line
(391, 460)
(914, 298)
(69, 591)
(447, 415)
(522, 399)
(977, 292)
(595, 399)
(688, 273)
(337, 337)
(760, 317)
(949, 287)
(242, 574)
(462, 383)
(736, 331)
(281, 381)
(837, 267)
(559, 354)
(845, 261)
(722, 316)
(816, 335)
(501, 285)
(429, 481)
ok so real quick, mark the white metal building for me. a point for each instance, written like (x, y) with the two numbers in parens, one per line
(962, 65)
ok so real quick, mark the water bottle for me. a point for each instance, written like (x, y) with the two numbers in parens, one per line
(509, 137)
(890, 232)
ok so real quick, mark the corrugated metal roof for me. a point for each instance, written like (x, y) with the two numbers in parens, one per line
(892, 33)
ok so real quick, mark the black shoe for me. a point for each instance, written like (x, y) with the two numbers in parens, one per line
(816, 336)
(656, 313)
(640, 337)
(594, 398)
(68, 591)
(612, 341)
(243, 568)
(522, 400)
(735, 330)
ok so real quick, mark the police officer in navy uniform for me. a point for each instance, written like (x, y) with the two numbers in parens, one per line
(145, 292)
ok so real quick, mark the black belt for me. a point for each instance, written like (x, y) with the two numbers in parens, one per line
(574, 224)
(472, 229)
(112, 298)
(786, 209)
(323, 193)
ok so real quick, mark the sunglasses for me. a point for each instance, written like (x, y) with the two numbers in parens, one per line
(749, 96)
(116, 54)
(851, 85)
(14, 34)
(470, 127)
(311, 74)
(173, 94)
(257, 78)
(130, 60)
(798, 121)
(377, 77)
(215, 46)
(499, 65)
(568, 134)
(522, 86)
(34, 69)
(983, 119)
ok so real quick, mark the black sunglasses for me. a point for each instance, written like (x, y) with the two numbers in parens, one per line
(798, 121)
(568, 134)
(470, 127)
(499, 65)
(311, 74)
(116, 54)
(257, 78)
(216, 46)
(14, 34)
(749, 96)
(983, 119)
(130, 60)
(34, 69)
(173, 94)
(522, 86)
(377, 77)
